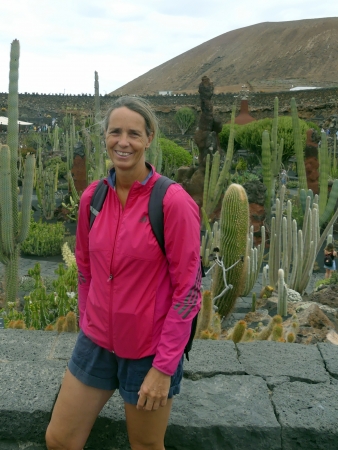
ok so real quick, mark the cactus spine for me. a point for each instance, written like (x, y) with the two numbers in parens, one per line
(12, 233)
(234, 227)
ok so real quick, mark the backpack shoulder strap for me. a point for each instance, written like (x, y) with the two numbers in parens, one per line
(97, 201)
(155, 208)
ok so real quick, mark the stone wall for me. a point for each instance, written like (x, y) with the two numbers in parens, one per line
(317, 105)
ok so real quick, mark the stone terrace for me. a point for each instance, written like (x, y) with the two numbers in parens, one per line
(261, 395)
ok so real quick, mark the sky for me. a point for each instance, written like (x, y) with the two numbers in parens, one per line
(63, 42)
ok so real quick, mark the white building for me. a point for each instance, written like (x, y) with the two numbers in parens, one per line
(165, 92)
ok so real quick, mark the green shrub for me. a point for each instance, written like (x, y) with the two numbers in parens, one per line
(44, 239)
(224, 137)
(174, 155)
(249, 137)
(184, 118)
(51, 164)
(313, 125)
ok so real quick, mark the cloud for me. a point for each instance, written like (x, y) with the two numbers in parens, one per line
(64, 42)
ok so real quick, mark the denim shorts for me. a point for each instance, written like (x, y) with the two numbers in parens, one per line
(97, 367)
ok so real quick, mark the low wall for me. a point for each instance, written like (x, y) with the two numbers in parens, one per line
(315, 104)
(260, 395)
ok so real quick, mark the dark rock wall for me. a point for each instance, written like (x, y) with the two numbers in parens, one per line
(317, 105)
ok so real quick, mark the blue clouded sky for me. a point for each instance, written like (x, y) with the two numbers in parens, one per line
(63, 42)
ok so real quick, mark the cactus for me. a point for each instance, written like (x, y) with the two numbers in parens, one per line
(71, 323)
(234, 227)
(299, 150)
(277, 332)
(290, 247)
(254, 260)
(290, 338)
(238, 331)
(205, 315)
(253, 302)
(13, 231)
(282, 308)
(323, 173)
(216, 182)
(267, 175)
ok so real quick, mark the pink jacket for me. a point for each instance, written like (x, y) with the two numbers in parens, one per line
(133, 300)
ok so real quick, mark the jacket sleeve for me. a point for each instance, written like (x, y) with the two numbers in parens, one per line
(182, 244)
(82, 249)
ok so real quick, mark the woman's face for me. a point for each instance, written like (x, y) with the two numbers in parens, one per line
(126, 139)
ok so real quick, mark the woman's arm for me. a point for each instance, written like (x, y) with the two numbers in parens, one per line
(82, 249)
(182, 244)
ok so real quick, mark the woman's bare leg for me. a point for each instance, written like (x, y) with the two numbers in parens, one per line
(74, 414)
(146, 429)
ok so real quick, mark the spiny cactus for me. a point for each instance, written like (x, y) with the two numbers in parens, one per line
(254, 260)
(293, 248)
(205, 315)
(215, 181)
(13, 231)
(282, 309)
(234, 226)
(299, 150)
(238, 331)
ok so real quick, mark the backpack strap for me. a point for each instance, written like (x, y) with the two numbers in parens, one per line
(97, 200)
(155, 208)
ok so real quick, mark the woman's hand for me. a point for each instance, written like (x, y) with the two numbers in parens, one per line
(154, 390)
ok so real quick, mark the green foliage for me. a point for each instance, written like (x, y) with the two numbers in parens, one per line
(174, 155)
(292, 184)
(184, 118)
(225, 134)
(313, 125)
(241, 178)
(44, 239)
(249, 137)
(328, 281)
(43, 308)
(51, 164)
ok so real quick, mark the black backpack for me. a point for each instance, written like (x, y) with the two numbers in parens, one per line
(328, 260)
(155, 211)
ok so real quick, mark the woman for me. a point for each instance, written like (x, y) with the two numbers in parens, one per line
(136, 304)
(329, 262)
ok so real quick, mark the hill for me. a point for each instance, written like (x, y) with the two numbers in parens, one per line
(269, 56)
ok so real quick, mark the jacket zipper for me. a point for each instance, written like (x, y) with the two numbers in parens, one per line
(110, 278)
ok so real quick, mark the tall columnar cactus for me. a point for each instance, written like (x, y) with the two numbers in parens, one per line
(299, 150)
(216, 182)
(274, 143)
(13, 230)
(99, 170)
(282, 307)
(234, 227)
(267, 174)
(295, 250)
(254, 260)
(323, 155)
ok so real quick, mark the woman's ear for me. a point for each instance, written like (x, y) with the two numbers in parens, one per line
(150, 138)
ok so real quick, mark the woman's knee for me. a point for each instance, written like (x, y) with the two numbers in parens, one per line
(53, 442)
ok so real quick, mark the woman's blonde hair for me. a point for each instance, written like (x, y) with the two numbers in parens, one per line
(138, 105)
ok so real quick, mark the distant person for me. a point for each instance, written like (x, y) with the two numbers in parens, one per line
(329, 260)
(337, 134)
(283, 177)
(328, 131)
